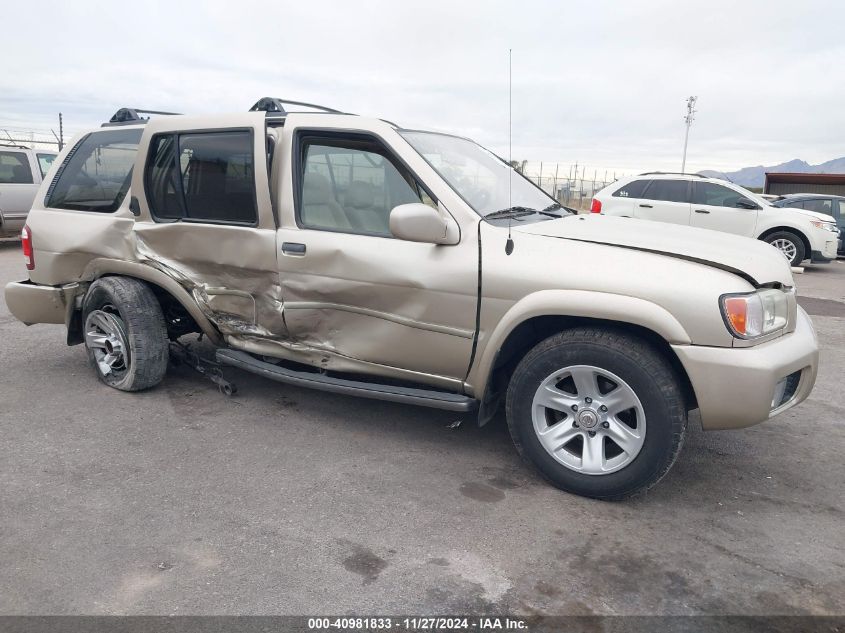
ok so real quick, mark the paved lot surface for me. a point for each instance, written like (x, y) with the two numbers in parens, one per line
(289, 501)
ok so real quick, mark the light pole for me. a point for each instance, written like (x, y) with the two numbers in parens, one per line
(688, 119)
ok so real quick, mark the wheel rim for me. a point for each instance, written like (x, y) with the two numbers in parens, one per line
(589, 419)
(787, 247)
(105, 336)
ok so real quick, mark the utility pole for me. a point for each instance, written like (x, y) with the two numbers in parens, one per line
(689, 118)
(61, 138)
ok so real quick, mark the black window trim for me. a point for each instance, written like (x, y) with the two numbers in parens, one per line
(300, 140)
(176, 154)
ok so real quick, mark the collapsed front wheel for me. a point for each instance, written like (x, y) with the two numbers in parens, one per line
(125, 333)
(598, 412)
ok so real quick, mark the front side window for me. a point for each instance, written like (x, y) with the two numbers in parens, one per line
(633, 189)
(45, 161)
(486, 182)
(352, 184)
(14, 169)
(96, 174)
(841, 215)
(203, 177)
(668, 191)
(714, 195)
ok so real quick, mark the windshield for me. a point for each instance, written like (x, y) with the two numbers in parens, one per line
(482, 179)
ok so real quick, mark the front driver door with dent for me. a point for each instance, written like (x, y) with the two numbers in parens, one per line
(351, 288)
(206, 219)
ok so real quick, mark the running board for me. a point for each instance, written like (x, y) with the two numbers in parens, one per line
(407, 395)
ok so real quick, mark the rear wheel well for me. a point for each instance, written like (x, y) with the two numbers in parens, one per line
(788, 229)
(532, 331)
(179, 322)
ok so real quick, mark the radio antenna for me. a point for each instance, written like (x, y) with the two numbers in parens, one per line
(509, 243)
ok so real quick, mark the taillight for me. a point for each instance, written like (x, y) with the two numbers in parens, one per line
(26, 245)
(595, 206)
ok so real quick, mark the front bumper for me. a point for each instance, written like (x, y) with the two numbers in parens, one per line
(735, 386)
(31, 303)
(828, 247)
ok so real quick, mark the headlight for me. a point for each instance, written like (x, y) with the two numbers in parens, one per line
(755, 314)
(827, 226)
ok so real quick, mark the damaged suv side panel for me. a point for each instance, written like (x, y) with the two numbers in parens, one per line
(204, 221)
(413, 267)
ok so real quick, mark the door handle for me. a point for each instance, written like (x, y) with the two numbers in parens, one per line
(646, 206)
(293, 248)
(701, 211)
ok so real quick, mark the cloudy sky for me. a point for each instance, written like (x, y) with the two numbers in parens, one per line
(600, 83)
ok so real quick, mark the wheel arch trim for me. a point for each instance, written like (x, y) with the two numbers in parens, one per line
(587, 304)
(103, 267)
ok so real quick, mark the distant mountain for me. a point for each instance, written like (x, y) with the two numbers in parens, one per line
(755, 176)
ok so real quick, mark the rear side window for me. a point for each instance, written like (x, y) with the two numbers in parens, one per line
(668, 191)
(15, 169)
(96, 174)
(633, 189)
(203, 177)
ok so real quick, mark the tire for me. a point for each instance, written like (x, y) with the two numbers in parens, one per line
(789, 244)
(657, 416)
(125, 333)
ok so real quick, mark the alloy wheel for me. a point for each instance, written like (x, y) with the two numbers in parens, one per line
(589, 419)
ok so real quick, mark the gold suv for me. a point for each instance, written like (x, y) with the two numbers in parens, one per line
(351, 255)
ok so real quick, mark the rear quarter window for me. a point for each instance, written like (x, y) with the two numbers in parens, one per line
(96, 174)
(633, 189)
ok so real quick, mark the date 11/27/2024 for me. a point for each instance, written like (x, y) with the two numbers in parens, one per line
(420, 623)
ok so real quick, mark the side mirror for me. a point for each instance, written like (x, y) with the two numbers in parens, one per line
(418, 222)
(742, 203)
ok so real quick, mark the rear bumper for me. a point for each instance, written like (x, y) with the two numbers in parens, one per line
(31, 303)
(735, 386)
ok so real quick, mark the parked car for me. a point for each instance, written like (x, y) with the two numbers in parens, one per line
(818, 203)
(351, 255)
(22, 170)
(711, 203)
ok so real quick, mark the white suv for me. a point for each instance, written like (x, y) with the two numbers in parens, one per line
(711, 203)
(21, 171)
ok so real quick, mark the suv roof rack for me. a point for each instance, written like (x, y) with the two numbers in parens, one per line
(670, 173)
(273, 106)
(132, 116)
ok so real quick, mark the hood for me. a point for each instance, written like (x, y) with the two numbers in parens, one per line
(752, 259)
(815, 215)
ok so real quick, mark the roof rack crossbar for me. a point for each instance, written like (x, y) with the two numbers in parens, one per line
(272, 105)
(670, 173)
(128, 116)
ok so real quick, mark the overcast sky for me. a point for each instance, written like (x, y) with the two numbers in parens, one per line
(600, 83)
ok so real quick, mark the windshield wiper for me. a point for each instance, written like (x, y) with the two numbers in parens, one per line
(518, 212)
(512, 212)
